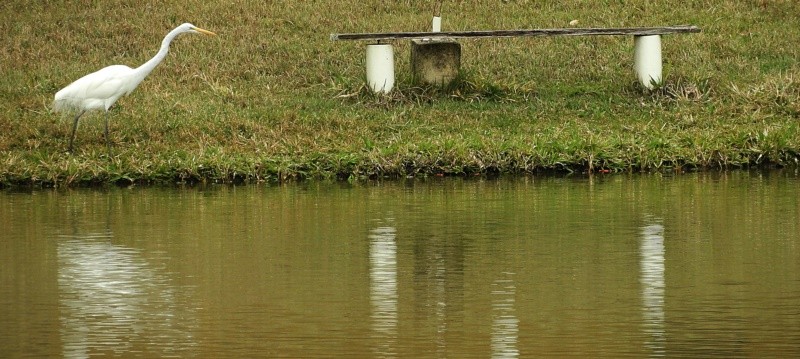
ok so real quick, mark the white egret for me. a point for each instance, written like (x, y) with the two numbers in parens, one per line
(99, 90)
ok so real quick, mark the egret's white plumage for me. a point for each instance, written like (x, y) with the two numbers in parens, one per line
(101, 89)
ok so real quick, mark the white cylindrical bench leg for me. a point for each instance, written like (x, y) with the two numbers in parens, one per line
(380, 67)
(647, 59)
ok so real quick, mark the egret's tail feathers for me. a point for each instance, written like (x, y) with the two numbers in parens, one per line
(59, 106)
(63, 103)
(60, 102)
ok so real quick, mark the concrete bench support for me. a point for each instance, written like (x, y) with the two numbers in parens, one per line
(435, 62)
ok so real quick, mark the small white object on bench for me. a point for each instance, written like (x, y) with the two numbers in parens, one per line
(647, 45)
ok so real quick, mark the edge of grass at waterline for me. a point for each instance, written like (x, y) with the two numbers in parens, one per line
(578, 145)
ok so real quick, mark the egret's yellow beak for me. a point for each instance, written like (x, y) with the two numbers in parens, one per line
(204, 31)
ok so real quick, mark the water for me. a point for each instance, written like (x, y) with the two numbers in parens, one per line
(699, 265)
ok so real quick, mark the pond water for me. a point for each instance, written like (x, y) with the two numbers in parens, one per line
(695, 265)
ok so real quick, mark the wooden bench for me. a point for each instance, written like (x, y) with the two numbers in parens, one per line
(445, 53)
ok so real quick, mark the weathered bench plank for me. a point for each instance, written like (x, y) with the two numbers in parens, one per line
(634, 31)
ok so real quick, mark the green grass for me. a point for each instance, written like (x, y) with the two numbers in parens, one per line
(272, 99)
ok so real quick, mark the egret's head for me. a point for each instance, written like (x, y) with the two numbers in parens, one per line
(187, 27)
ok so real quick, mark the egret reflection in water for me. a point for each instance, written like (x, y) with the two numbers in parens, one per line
(113, 302)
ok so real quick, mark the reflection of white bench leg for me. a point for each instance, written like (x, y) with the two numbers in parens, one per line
(380, 67)
(647, 59)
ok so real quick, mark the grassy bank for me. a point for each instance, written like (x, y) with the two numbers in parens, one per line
(271, 98)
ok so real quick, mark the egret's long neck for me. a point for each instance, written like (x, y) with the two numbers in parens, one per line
(145, 69)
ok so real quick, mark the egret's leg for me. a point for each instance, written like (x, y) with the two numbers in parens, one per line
(74, 127)
(108, 141)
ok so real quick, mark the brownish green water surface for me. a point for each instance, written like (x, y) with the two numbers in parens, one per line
(695, 265)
